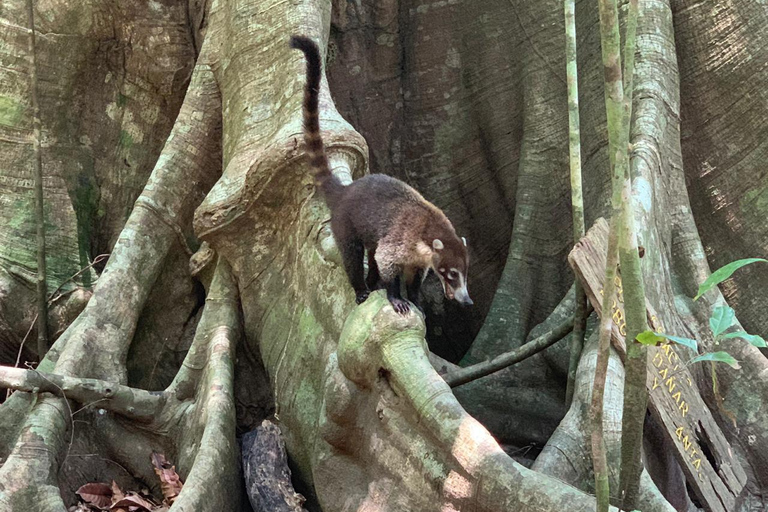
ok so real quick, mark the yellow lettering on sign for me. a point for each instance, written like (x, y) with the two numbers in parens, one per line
(658, 360)
(697, 464)
(686, 443)
(679, 432)
(672, 357)
(676, 397)
(671, 384)
(663, 373)
(693, 453)
(655, 383)
(684, 408)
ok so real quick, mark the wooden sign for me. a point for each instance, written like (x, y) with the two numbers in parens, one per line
(674, 399)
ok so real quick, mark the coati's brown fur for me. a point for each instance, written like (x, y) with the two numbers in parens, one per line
(405, 234)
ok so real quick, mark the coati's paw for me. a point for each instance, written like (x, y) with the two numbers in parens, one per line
(400, 306)
(361, 296)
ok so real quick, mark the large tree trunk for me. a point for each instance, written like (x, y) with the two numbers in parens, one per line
(466, 101)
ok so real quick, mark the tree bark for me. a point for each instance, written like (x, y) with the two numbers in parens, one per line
(464, 100)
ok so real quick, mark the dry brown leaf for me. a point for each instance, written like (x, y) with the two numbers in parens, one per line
(117, 493)
(134, 502)
(97, 494)
(170, 483)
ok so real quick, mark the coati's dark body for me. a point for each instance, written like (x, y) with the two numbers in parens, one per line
(405, 234)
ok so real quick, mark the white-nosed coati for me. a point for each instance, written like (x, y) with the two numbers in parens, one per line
(405, 234)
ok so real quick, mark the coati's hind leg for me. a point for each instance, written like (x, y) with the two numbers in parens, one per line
(390, 272)
(373, 278)
(352, 253)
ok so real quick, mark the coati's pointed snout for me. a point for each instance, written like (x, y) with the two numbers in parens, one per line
(462, 297)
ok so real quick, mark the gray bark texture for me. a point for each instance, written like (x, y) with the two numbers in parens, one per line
(171, 139)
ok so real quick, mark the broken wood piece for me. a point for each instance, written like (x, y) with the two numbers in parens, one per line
(267, 476)
(701, 449)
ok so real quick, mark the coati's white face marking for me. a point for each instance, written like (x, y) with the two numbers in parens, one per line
(454, 280)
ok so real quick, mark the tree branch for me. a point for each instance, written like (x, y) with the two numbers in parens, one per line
(476, 371)
(133, 403)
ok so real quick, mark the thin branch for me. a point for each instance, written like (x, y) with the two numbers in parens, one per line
(98, 259)
(577, 200)
(42, 291)
(133, 403)
(52, 298)
(476, 371)
(21, 349)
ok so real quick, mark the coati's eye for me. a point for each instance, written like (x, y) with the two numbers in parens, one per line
(453, 274)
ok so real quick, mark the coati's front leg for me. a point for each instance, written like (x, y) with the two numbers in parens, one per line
(399, 304)
(352, 253)
(390, 270)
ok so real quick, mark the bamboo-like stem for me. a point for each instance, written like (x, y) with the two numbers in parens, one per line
(636, 363)
(617, 151)
(42, 291)
(577, 201)
(599, 454)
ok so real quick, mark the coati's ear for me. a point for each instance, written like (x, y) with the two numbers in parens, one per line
(437, 244)
(464, 240)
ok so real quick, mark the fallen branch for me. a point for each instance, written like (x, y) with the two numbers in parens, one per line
(133, 403)
(476, 371)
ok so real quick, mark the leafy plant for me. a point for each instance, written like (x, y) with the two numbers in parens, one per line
(722, 318)
(723, 273)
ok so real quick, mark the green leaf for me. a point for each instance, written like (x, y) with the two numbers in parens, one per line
(720, 357)
(721, 319)
(650, 338)
(723, 273)
(686, 342)
(754, 339)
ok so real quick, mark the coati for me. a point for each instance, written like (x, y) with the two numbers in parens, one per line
(405, 234)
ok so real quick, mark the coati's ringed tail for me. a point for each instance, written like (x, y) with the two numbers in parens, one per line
(329, 184)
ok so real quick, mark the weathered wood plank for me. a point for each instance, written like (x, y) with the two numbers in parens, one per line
(674, 399)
